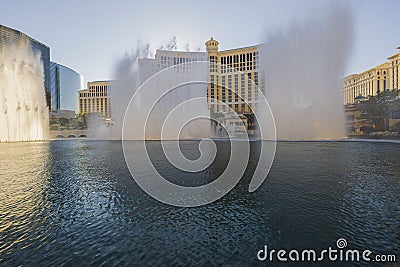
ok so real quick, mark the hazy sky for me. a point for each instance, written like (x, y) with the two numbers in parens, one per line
(90, 36)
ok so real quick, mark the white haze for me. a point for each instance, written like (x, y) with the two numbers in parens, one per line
(127, 81)
(304, 65)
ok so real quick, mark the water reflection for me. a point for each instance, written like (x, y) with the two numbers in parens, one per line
(73, 202)
(23, 179)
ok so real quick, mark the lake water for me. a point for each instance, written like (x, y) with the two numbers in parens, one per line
(73, 202)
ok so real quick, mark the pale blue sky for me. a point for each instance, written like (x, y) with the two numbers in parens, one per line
(90, 36)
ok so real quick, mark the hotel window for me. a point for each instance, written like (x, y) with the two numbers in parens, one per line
(213, 62)
(223, 64)
(230, 88)
(223, 89)
(256, 85)
(378, 85)
(235, 63)
(256, 78)
(236, 87)
(249, 87)
(212, 86)
(242, 86)
(256, 60)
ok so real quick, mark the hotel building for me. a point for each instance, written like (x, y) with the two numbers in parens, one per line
(234, 78)
(96, 98)
(234, 75)
(371, 82)
(166, 58)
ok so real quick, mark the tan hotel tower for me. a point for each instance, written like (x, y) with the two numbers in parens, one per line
(358, 87)
(96, 98)
(237, 69)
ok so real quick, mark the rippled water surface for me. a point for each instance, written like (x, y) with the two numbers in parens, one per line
(73, 202)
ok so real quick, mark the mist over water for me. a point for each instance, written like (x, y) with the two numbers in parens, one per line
(166, 101)
(23, 108)
(304, 64)
(165, 91)
(126, 81)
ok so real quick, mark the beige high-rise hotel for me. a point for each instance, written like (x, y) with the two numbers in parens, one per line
(234, 77)
(96, 98)
(358, 87)
(235, 69)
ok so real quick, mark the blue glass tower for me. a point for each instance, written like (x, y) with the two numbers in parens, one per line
(65, 84)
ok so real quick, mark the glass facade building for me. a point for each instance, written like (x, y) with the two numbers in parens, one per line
(65, 84)
(10, 37)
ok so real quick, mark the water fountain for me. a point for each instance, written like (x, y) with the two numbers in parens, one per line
(123, 87)
(23, 108)
(173, 86)
(304, 65)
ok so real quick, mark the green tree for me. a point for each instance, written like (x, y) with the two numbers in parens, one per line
(64, 121)
(54, 127)
(379, 108)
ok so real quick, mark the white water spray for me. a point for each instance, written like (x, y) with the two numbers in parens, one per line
(303, 67)
(23, 108)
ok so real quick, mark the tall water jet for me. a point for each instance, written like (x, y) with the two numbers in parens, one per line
(23, 108)
(303, 66)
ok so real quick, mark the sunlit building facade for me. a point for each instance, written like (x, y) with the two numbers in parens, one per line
(358, 87)
(394, 63)
(96, 98)
(234, 78)
(234, 75)
(166, 58)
